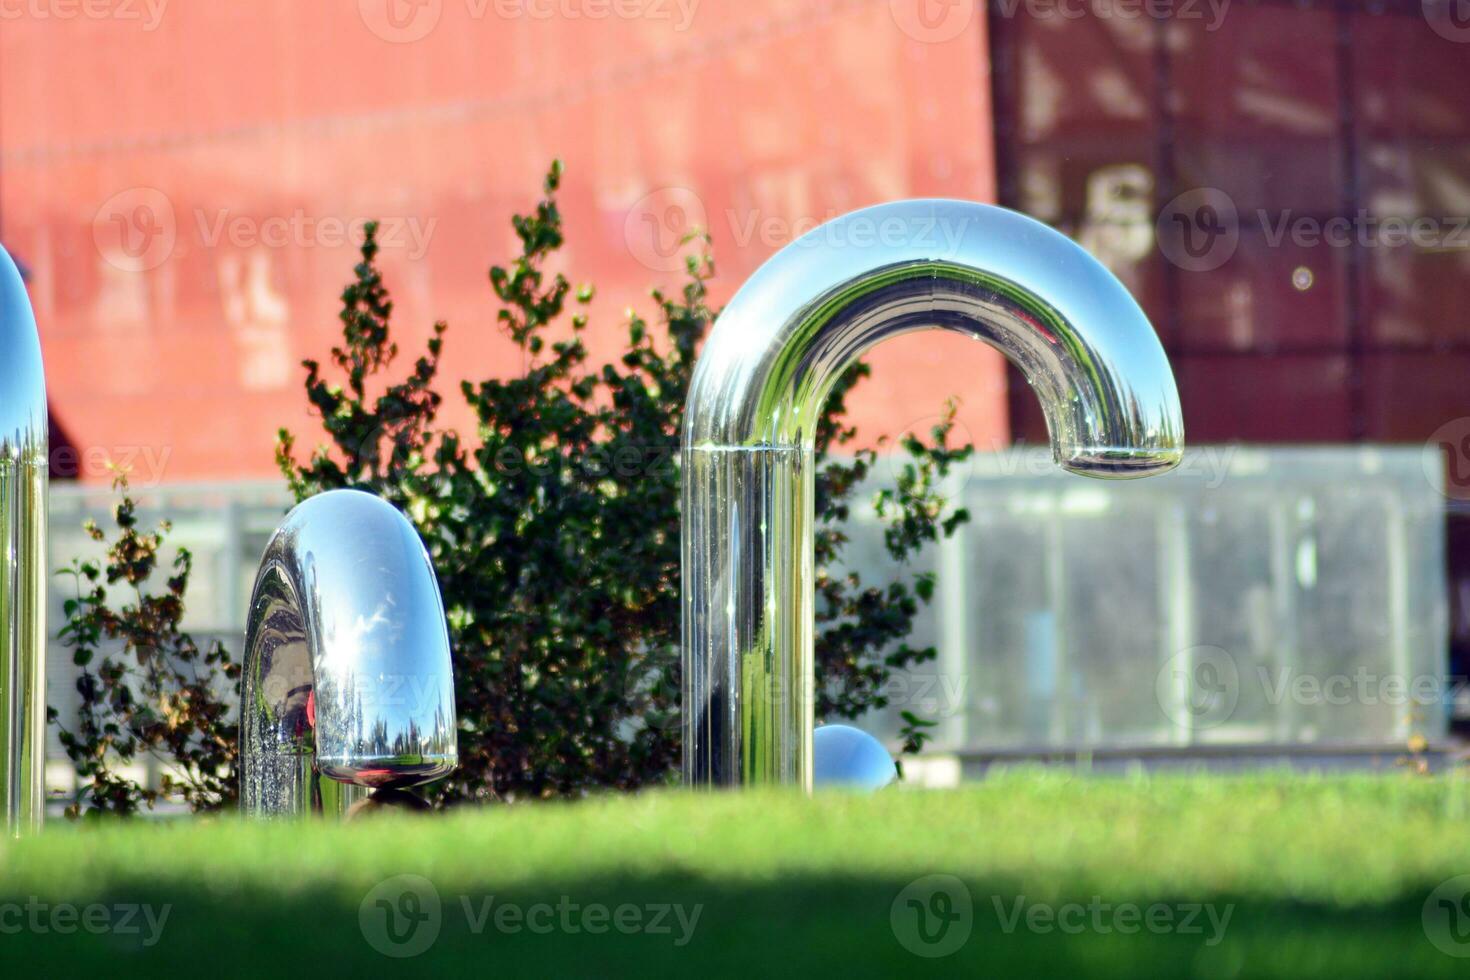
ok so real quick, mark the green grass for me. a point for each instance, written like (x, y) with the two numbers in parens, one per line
(1319, 877)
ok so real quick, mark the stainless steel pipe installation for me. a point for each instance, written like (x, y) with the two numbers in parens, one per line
(23, 480)
(348, 684)
(1076, 334)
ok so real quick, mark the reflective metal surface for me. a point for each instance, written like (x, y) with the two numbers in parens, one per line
(1076, 334)
(23, 470)
(347, 663)
(844, 757)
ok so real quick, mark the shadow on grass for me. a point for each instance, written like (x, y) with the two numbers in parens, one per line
(821, 926)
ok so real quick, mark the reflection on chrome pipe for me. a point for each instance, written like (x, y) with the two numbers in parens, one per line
(23, 463)
(749, 429)
(347, 666)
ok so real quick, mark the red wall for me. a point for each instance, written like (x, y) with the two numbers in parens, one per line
(197, 139)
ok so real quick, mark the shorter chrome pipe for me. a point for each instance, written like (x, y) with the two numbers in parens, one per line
(348, 682)
(849, 758)
(23, 488)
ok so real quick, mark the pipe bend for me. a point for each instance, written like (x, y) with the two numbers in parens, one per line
(347, 671)
(1074, 331)
(22, 380)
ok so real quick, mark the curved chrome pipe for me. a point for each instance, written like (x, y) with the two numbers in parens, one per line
(23, 471)
(758, 390)
(347, 665)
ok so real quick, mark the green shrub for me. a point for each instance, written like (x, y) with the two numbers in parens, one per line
(146, 687)
(555, 529)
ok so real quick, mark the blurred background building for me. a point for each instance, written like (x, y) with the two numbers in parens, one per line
(1284, 184)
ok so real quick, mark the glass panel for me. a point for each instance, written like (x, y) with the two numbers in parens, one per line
(1253, 597)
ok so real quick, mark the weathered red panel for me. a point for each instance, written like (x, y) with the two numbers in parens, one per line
(178, 188)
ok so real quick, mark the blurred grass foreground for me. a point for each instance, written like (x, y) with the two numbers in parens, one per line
(1028, 873)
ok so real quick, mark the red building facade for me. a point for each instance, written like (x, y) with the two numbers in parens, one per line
(185, 184)
(185, 181)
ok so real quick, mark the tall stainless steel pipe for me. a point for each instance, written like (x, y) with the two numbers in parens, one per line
(1075, 333)
(348, 681)
(23, 470)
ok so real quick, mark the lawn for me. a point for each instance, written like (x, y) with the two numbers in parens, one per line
(1026, 874)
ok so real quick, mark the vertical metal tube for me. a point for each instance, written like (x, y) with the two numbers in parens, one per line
(739, 641)
(758, 391)
(23, 472)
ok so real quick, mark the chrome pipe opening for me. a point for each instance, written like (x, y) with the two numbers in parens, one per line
(23, 492)
(1078, 337)
(348, 683)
